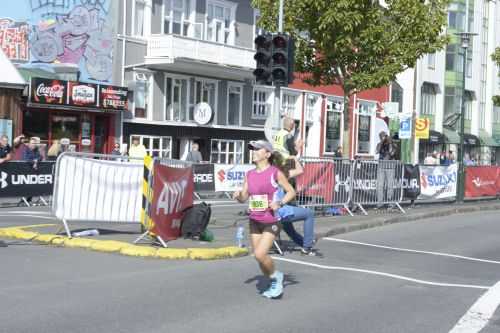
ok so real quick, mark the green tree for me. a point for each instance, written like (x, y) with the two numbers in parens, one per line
(358, 44)
(496, 58)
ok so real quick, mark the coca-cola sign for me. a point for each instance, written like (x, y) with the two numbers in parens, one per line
(82, 94)
(46, 91)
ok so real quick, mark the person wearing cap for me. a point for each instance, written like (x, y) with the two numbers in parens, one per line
(259, 189)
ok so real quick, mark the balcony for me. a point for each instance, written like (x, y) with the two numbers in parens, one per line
(191, 54)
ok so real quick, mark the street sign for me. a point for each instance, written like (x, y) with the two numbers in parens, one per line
(422, 127)
(405, 128)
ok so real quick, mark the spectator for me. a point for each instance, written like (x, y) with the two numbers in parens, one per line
(284, 139)
(19, 147)
(429, 159)
(5, 149)
(116, 150)
(443, 159)
(194, 155)
(386, 170)
(451, 157)
(54, 151)
(137, 150)
(32, 153)
(468, 161)
(338, 152)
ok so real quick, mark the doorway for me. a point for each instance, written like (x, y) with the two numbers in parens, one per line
(101, 135)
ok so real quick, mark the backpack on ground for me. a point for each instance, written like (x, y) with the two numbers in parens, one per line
(195, 220)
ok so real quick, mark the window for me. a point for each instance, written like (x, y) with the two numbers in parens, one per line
(261, 103)
(452, 100)
(456, 20)
(334, 107)
(469, 96)
(177, 19)
(201, 90)
(176, 99)
(234, 105)
(142, 95)
(138, 10)
(157, 146)
(366, 111)
(431, 60)
(311, 106)
(227, 151)
(220, 22)
(289, 103)
(428, 99)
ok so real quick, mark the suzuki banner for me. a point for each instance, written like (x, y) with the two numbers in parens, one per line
(438, 182)
(21, 179)
(481, 181)
(203, 177)
(172, 194)
(229, 178)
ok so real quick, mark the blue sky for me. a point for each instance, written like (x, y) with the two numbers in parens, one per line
(15, 9)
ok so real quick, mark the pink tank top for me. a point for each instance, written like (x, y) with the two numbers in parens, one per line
(261, 189)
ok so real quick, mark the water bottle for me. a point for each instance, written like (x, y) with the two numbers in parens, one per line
(91, 232)
(240, 234)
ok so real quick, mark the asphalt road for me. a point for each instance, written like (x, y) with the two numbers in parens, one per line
(354, 287)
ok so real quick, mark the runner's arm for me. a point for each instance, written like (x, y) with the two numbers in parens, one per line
(297, 171)
(290, 192)
(242, 195)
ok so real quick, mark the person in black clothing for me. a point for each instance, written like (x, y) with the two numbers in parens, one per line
(386, 169)
(5, 149)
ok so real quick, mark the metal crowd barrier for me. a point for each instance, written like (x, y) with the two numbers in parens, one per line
(97, 188)
(325, 183)
(377, 183)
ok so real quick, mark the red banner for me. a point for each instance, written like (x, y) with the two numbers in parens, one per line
(317, 181)
(481, 181)
(172, 194)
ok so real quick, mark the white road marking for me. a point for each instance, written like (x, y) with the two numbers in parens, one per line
(42, 212)
(27, 215)
(480, 312)
(393, 276)
(413, 251)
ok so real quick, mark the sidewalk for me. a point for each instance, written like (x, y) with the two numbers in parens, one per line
(224, 228)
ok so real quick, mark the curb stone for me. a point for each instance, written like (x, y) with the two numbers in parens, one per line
(381, 221)
(110, 246)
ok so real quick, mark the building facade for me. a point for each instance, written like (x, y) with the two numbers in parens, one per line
(435, 87)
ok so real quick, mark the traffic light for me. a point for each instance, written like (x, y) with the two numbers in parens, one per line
(282, 55)
(262, 57)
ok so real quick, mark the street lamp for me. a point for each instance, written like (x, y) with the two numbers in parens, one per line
(465, 38)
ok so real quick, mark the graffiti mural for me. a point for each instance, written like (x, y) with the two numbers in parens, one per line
(74, 31)
(14, 39)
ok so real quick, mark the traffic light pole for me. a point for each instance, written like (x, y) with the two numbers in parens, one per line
(280, 17)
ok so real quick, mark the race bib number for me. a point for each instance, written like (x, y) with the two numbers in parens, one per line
(258, 203)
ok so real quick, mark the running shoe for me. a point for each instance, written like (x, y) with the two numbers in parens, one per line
(309, 251)
(276, 288)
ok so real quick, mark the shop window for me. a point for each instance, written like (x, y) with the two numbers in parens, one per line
(366, 111)
(261, 103)
(36, 124)
(333, 131)
(158, 146)
(176, 99)
(226, 151)
(66, 127)
(234, 104)
(220, 22)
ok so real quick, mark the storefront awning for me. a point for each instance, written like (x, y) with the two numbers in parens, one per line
(451, 136)
(487, 140)
(471, 140)
(435, 137)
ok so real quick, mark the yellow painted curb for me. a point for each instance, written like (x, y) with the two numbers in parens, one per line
(108, 246)
(121, 247)
(176, 254)
(139, 251)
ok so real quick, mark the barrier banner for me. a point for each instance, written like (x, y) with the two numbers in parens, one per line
(498, 180)
(364, 182)
(172, 194)
(229, 178)
(203, 177)
(481, 181)
(438, 182)
(411, 182)
(20, 179)
(317, 181)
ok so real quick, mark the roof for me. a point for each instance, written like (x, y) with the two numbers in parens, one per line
(10, 77)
